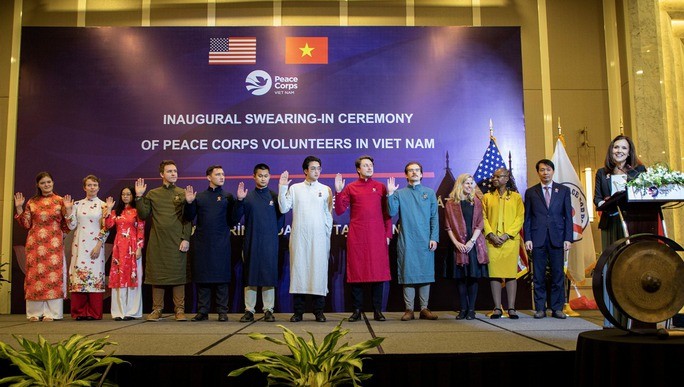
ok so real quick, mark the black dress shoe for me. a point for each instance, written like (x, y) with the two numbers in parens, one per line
(296, 317)
(223, 317)
(470, 315)
(118, 319)
(558, 314)
(462, 314)
(200, 317)
(356, 316)
(268, 316)
(513, 314)
(247, 317)
(320, 317)
(378, 316)
(539, 314)
(128, 318)
(80, 318)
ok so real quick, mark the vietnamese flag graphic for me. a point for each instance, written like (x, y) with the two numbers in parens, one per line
(306, 50)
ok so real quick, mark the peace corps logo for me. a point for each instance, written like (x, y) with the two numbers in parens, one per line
(258, 82)
(580, 212)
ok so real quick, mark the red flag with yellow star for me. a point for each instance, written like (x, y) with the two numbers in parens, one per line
(306, 50)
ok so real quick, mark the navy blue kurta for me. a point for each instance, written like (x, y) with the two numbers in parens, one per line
(263, 222)
(210, 243)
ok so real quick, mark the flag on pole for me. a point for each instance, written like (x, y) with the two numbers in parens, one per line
(582, 256)
(491, 161)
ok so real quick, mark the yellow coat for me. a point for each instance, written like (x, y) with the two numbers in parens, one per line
(503, 215)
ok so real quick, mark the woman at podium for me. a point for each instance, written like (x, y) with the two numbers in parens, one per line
(622, 164)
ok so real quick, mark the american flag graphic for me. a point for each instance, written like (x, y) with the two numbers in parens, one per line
(232, 51)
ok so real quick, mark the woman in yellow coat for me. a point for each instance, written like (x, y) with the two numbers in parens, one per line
(504, 215)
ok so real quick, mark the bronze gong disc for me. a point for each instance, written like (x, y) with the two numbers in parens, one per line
(647, 281)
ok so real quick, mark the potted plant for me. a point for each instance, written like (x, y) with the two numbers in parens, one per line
(311, 364)
(75, 361)
(659, 182)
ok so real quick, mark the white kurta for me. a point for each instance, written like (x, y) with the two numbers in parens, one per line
(87, 275)
(311, 205)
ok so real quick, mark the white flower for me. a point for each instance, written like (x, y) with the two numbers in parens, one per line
(657, 176)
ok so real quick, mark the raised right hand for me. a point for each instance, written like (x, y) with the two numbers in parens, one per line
(19, 199)
(108, 207)
(241, 193)
(68, 204)
(190, 194)
(339, 183)
(391, 186)
(140, 187)
(284, 178)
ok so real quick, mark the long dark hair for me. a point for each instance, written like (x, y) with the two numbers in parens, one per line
(40, 177)
(631, 162)
(120, 205)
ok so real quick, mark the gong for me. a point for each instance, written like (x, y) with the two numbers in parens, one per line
(643, 277)
(646, 282)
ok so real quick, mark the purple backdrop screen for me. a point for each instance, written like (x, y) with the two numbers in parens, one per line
(114, 102)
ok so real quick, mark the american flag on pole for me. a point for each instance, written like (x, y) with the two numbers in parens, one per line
(491, 161)
(232, 51)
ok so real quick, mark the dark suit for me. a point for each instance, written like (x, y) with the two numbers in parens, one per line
(548, 228)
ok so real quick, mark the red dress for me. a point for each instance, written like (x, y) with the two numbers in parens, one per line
(130, 235)
(46, 227)
(369, 227)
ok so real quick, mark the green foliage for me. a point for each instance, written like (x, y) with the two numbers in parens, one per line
(71, 362)
(310, 364)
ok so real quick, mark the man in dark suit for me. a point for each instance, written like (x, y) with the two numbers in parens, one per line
(548, 234)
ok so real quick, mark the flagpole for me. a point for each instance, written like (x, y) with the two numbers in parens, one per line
(566, 283)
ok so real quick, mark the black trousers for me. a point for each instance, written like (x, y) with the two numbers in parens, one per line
(376, 294)
(299, 301)
(204, 297)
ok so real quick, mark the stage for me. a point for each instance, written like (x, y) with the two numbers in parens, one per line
(414, 353)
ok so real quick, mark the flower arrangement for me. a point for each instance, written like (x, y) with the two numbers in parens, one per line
(658, 180)
(656, 176)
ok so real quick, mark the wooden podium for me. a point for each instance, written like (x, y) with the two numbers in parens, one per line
(637, 217)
